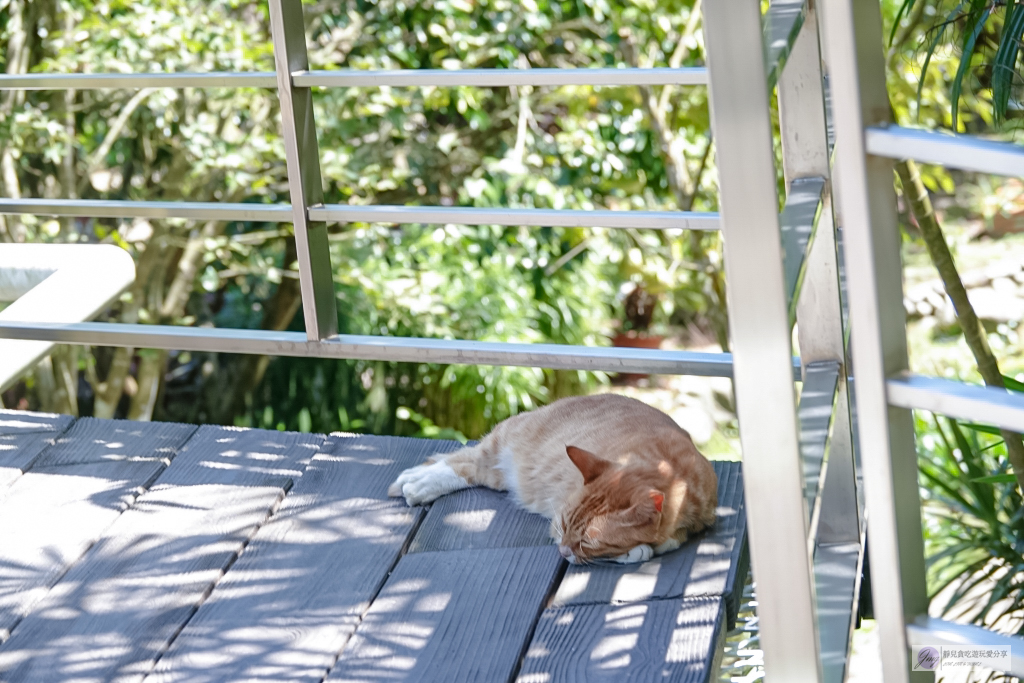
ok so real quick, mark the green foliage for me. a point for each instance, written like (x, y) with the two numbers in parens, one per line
(987, 39)
(574, 148)
(1004, 65)
(974, 522)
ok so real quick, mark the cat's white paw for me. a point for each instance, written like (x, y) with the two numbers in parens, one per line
(395, 490)
(426, 483)
(641, 553)
(667, 547)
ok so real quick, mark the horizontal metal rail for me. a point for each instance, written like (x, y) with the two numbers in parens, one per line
(816, 412)
(404, 349)
(837, 582)
(108, 81)
(929, 631)
(363, 78)
(956, 151)
(103, 208)
(986, 405)
(345, 213)
(782, 25)
(798, 223)
(460, 215)
(498, 78)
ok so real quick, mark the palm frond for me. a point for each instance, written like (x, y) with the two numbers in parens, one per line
(975, 26)
(940, 30)
(903, 11)
(1003, 70)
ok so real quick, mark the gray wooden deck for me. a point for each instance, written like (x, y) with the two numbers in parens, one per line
(165, 552)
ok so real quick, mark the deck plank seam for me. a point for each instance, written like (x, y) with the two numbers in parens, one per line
(424, 509)
(164, 458)
(129, 504)
(57, 433)
(285, 490)
(549, 596)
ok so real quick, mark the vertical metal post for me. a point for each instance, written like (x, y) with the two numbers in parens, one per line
(867, 203)
(819, 309)
(303, 159)
(759, 322)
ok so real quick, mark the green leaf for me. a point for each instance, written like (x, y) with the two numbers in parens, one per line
(965, 62)
(904, 10)
(996, 479)
(1003, 66)
(984, 429)
(940, 31)
(985, 501)
(1013, 384)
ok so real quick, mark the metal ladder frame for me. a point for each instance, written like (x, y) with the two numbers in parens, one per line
(867, 144)
(805, 523)
(799, 467)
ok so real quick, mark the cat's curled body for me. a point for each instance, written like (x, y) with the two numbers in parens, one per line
(617, 478)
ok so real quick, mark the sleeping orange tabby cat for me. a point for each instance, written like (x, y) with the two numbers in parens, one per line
(617, 478)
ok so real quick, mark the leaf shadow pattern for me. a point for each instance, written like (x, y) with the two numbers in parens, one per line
(297, 593)
(116, 609)
(678, 640)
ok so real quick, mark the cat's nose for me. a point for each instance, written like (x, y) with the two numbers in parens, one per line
(566, 552)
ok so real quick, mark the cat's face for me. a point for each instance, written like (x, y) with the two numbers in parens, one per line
(615, 512)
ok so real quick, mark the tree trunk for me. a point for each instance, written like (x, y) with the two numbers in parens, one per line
(46, 386)
(248, 372)
(109, 391)
(920, 205)
(20, 29)
(57, 381)
(150, 374)
(65, 375)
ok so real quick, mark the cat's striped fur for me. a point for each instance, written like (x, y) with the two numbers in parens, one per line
(618, 478)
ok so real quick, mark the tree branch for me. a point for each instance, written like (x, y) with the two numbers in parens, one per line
(920, 205)
(675, 163)
(97, 158)
(246, 375)
(181, 287)
(682, 51)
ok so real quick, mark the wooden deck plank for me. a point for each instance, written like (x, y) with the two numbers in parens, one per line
(93, 440)
(714, 563)
(660, 640)
(23, 436)
(50, 517)
(462, 615)
(115, 610)
(287, 607)
(479, 518)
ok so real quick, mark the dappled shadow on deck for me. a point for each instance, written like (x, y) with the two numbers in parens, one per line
(275, 556)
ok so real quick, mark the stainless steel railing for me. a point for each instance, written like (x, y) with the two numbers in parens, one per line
(887, 392)
(782, 269)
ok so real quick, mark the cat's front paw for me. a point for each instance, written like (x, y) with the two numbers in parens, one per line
(426, 483)
(395, 490)
(641, 553)
(667, 547)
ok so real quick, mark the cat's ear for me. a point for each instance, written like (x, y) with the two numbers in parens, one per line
(589, 465)
(648, 507)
